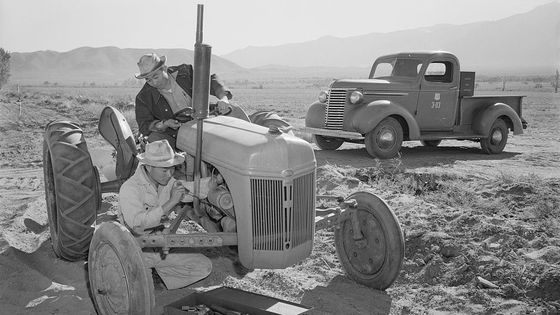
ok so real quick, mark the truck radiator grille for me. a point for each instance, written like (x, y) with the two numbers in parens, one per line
(334, 115)
(283, 212)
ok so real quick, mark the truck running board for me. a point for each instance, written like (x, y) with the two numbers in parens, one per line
(449, 136)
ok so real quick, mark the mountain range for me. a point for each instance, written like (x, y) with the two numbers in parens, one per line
(99, 65)
(523, 44)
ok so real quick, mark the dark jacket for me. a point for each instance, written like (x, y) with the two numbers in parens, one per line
(152, 106)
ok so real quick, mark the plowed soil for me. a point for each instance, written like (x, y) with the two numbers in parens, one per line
(482, 231)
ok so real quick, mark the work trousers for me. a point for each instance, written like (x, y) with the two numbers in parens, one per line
(178, 270)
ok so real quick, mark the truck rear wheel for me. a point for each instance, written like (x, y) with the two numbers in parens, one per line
(497, 138)
(385, 140)
(327, 143)
(71, 190)
(376, 259)
(119, 281)
(430, 143)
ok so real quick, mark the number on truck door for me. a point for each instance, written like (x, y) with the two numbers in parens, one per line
(437, 101)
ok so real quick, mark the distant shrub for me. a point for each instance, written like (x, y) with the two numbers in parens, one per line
(4, 67)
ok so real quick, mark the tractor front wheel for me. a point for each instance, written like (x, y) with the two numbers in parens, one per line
(375, 258)
(119, 281)
(71, 190)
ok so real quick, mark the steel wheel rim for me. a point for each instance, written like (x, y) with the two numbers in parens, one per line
(111, 283)
(370, 259)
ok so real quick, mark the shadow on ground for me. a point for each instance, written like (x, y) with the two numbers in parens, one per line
(343, 296)
(411, 157)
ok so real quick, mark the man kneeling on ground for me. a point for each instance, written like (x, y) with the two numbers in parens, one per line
(147, 197)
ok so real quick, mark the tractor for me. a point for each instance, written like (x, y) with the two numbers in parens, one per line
(265, 184)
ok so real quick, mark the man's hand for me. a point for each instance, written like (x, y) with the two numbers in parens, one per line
(171, 123)
(178, 192)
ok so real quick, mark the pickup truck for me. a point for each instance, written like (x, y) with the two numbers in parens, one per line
(412, 96)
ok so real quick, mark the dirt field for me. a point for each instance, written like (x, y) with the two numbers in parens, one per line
(466, 216)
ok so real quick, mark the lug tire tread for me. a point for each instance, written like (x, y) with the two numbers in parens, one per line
(71, 190)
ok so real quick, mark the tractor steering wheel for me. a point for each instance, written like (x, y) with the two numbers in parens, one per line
(213, 110)
(186, 114)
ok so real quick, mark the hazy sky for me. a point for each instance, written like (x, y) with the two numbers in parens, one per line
(62, 25)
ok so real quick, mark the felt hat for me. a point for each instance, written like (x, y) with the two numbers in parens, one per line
(149, 63)
(160, 154)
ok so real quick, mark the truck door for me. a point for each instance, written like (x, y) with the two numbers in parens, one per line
(439, 92)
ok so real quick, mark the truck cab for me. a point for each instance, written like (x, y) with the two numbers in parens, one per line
(411, 96)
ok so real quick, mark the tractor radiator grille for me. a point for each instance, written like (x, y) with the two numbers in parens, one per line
(283, 212)
(334, 115)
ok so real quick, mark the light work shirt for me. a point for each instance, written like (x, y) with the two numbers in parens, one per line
(140, 202)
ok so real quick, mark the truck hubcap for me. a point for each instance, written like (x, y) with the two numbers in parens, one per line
(386, 139)
(497, 136)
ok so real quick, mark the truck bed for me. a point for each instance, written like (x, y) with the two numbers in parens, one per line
(470, 105)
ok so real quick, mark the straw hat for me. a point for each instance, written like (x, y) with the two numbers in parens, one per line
(148, 64)
(160, 154)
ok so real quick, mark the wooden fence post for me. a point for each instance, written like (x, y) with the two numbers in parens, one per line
(19, 101)
(556, 84)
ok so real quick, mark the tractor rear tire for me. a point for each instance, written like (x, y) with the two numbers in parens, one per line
(327, 143)
(72, 190)
(497, 138)
(385, 140)
(376, 259)
(118, 279)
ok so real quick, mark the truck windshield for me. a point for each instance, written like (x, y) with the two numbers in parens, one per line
(396, 67)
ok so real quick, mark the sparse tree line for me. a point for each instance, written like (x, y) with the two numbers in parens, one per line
(538, 80)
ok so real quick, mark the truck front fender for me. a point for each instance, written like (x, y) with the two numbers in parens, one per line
(483, 120)
(366, 118)
(315, 117)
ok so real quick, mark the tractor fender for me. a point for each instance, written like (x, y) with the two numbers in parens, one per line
(367, 117)
(270, 119)
(484, 119)
(238, 112)
(315, 117)
(114, 128)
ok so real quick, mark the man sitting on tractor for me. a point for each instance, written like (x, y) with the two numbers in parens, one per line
(167, 92)
(148, 197)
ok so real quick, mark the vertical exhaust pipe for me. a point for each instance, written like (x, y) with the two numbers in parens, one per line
(201, 92)
(201, 77)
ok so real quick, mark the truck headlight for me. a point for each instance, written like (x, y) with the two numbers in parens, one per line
(356, 97)
(323, 96)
